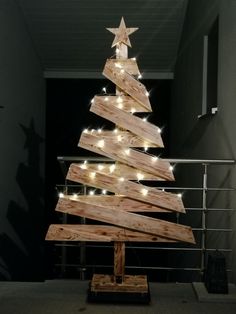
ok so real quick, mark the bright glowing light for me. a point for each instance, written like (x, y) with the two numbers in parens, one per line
(75, 195)
(119, 138)
(84, 165)
(154, 158)
(117, 50)
(101, 143)
(104, 90)
(144, 192)
(91, 192)
(120, 105)
(171, 168)
(119, 99)
(147, 94)
(115, 130)
(104, 192)
(145, 148)
(112, 168)
(145, 119)
(92, 130)
(85, 131)
(159, 130)
(140, 176)
(92, 101)
(106, 99)
(118, 65)
(134, 59)
(122, 71)
(140, 76)
(99, 130)
(127, 151)
(92, 175)
(133, 110)
(179, 195)
(100, 167)
(61, 195)
(121, 179)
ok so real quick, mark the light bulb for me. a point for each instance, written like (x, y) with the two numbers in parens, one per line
(159, 130)
(145, 119)
(99, 130)
(154, 158)
(179, 195)
(147, 94)
(92, 175)
(119, 138)
(145, 148)
(121, 179)
(91, 192)
(112, 168)
(115, 130)
(122, 71)
(119, 99)
(104, 90)
(144, 192)
(104, 192)
(101, 143)
(117, 50)
(140, 76)
(171, 168)
(127, 151)
(92, 101)
(85, 131)
(140, 176)
(100, 167)
(61, 195)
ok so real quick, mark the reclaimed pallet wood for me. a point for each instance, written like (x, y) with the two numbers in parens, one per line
(130, 189)
(129, 65)
(98, 233)
(134, 158)
(120, 170)
(125, 138)
(144, 129)
(118, 202)
(156, 227)
(124, 102)
(130, 284)
(127, 83)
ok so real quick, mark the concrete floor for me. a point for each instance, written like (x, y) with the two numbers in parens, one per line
(69, 297)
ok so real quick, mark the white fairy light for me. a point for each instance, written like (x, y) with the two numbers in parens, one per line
(85, 131)
(75, 195)
(159, 130)
(84, 165)
(112, 168)
(119, 99)
(120, 105)
(91, 192)
(134, 59)
(104, 192)
(147, 94)
(133, 110)
(119, 138)
(127, 151)
(122, 179)
(140, 76)
(144, 192)
(99, 130)
(154, 158)
(115, 130)
(140, 176)
(106, 99)
(101, 143)
(145, 148)
(145, 119)
(92, 101)
(122, 71)
(92, 175)
(171, 168)
(179, 195)
(61, 195)
(100, 167)
(104, 90)
(117, 50)
(118, 65)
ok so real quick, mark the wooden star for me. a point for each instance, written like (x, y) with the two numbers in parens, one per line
(122, 34)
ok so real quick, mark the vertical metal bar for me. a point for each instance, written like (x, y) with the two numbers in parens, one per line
(83, 246)
(204, 218)
(204, 76)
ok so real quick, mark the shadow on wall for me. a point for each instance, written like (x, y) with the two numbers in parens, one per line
(22, 247)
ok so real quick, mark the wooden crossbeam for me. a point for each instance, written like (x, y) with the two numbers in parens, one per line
(145, 130)
(139, 160)
(128, 220)
(129, 65)
(130, 189)
(127, 83)
(98, 233)
(120, 170)
(125, 102)
(125, 138)
(118, 202)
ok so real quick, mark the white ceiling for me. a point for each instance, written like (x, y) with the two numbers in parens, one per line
(70, 36)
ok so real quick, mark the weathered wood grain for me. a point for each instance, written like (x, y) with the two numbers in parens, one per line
(118, 202)
(128, 220)
(129, 65)
(137, 159)
(119, 260)
(130, 189)
(124, 138)
(144, 129)
(127, 83)
(124, 102)
(98, 233)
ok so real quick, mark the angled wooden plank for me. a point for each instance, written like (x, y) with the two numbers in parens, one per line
(128, 220)
(120, 170)
(129, 65)
(124, 102)
(118, 202)
(127, 83)
(98, 233)
(144, 129)
(139, 160)
(130, 189)
(125, 138)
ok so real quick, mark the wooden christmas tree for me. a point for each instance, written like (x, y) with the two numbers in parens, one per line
(127, 196)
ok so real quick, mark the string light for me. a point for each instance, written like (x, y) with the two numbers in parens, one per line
(127, 151)
(140, 176)
(115, 130)
(122, 71)
(99, 130)
(145, 119)
(92, 130)
(100, 167)
(119, 99)
(179, 195)
(144, 192)
(133, 110)
(121, 179)
(118, 65)
(61, 195)
(101, 143)
(171, 168)
(104, 90)
(134, 59)
(85, 131)
(145, 148)
(140, 76)
(106, 99)
(75, 195)
(92, 175)
(91, 192)
(147, 94)
(119, 138)
(84, 165)
(120, 105)
(104, 192)
(154, 158)
(112, 168)
(159, 130)
(117, 50)
(92, 101)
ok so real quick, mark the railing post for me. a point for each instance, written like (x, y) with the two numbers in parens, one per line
(204, 218)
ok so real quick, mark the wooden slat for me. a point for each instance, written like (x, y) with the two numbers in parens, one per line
(98, 233)
(145, 130)
(130, 284)
(119, 260)
(130, 189)
(127, 83)
(125, 138)
(129, 65)
(139, 160)
(118, 202)
(120, 170)
(125, 102)
(128, 220)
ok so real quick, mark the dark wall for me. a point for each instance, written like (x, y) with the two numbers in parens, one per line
(211, 137)
(22, 118)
